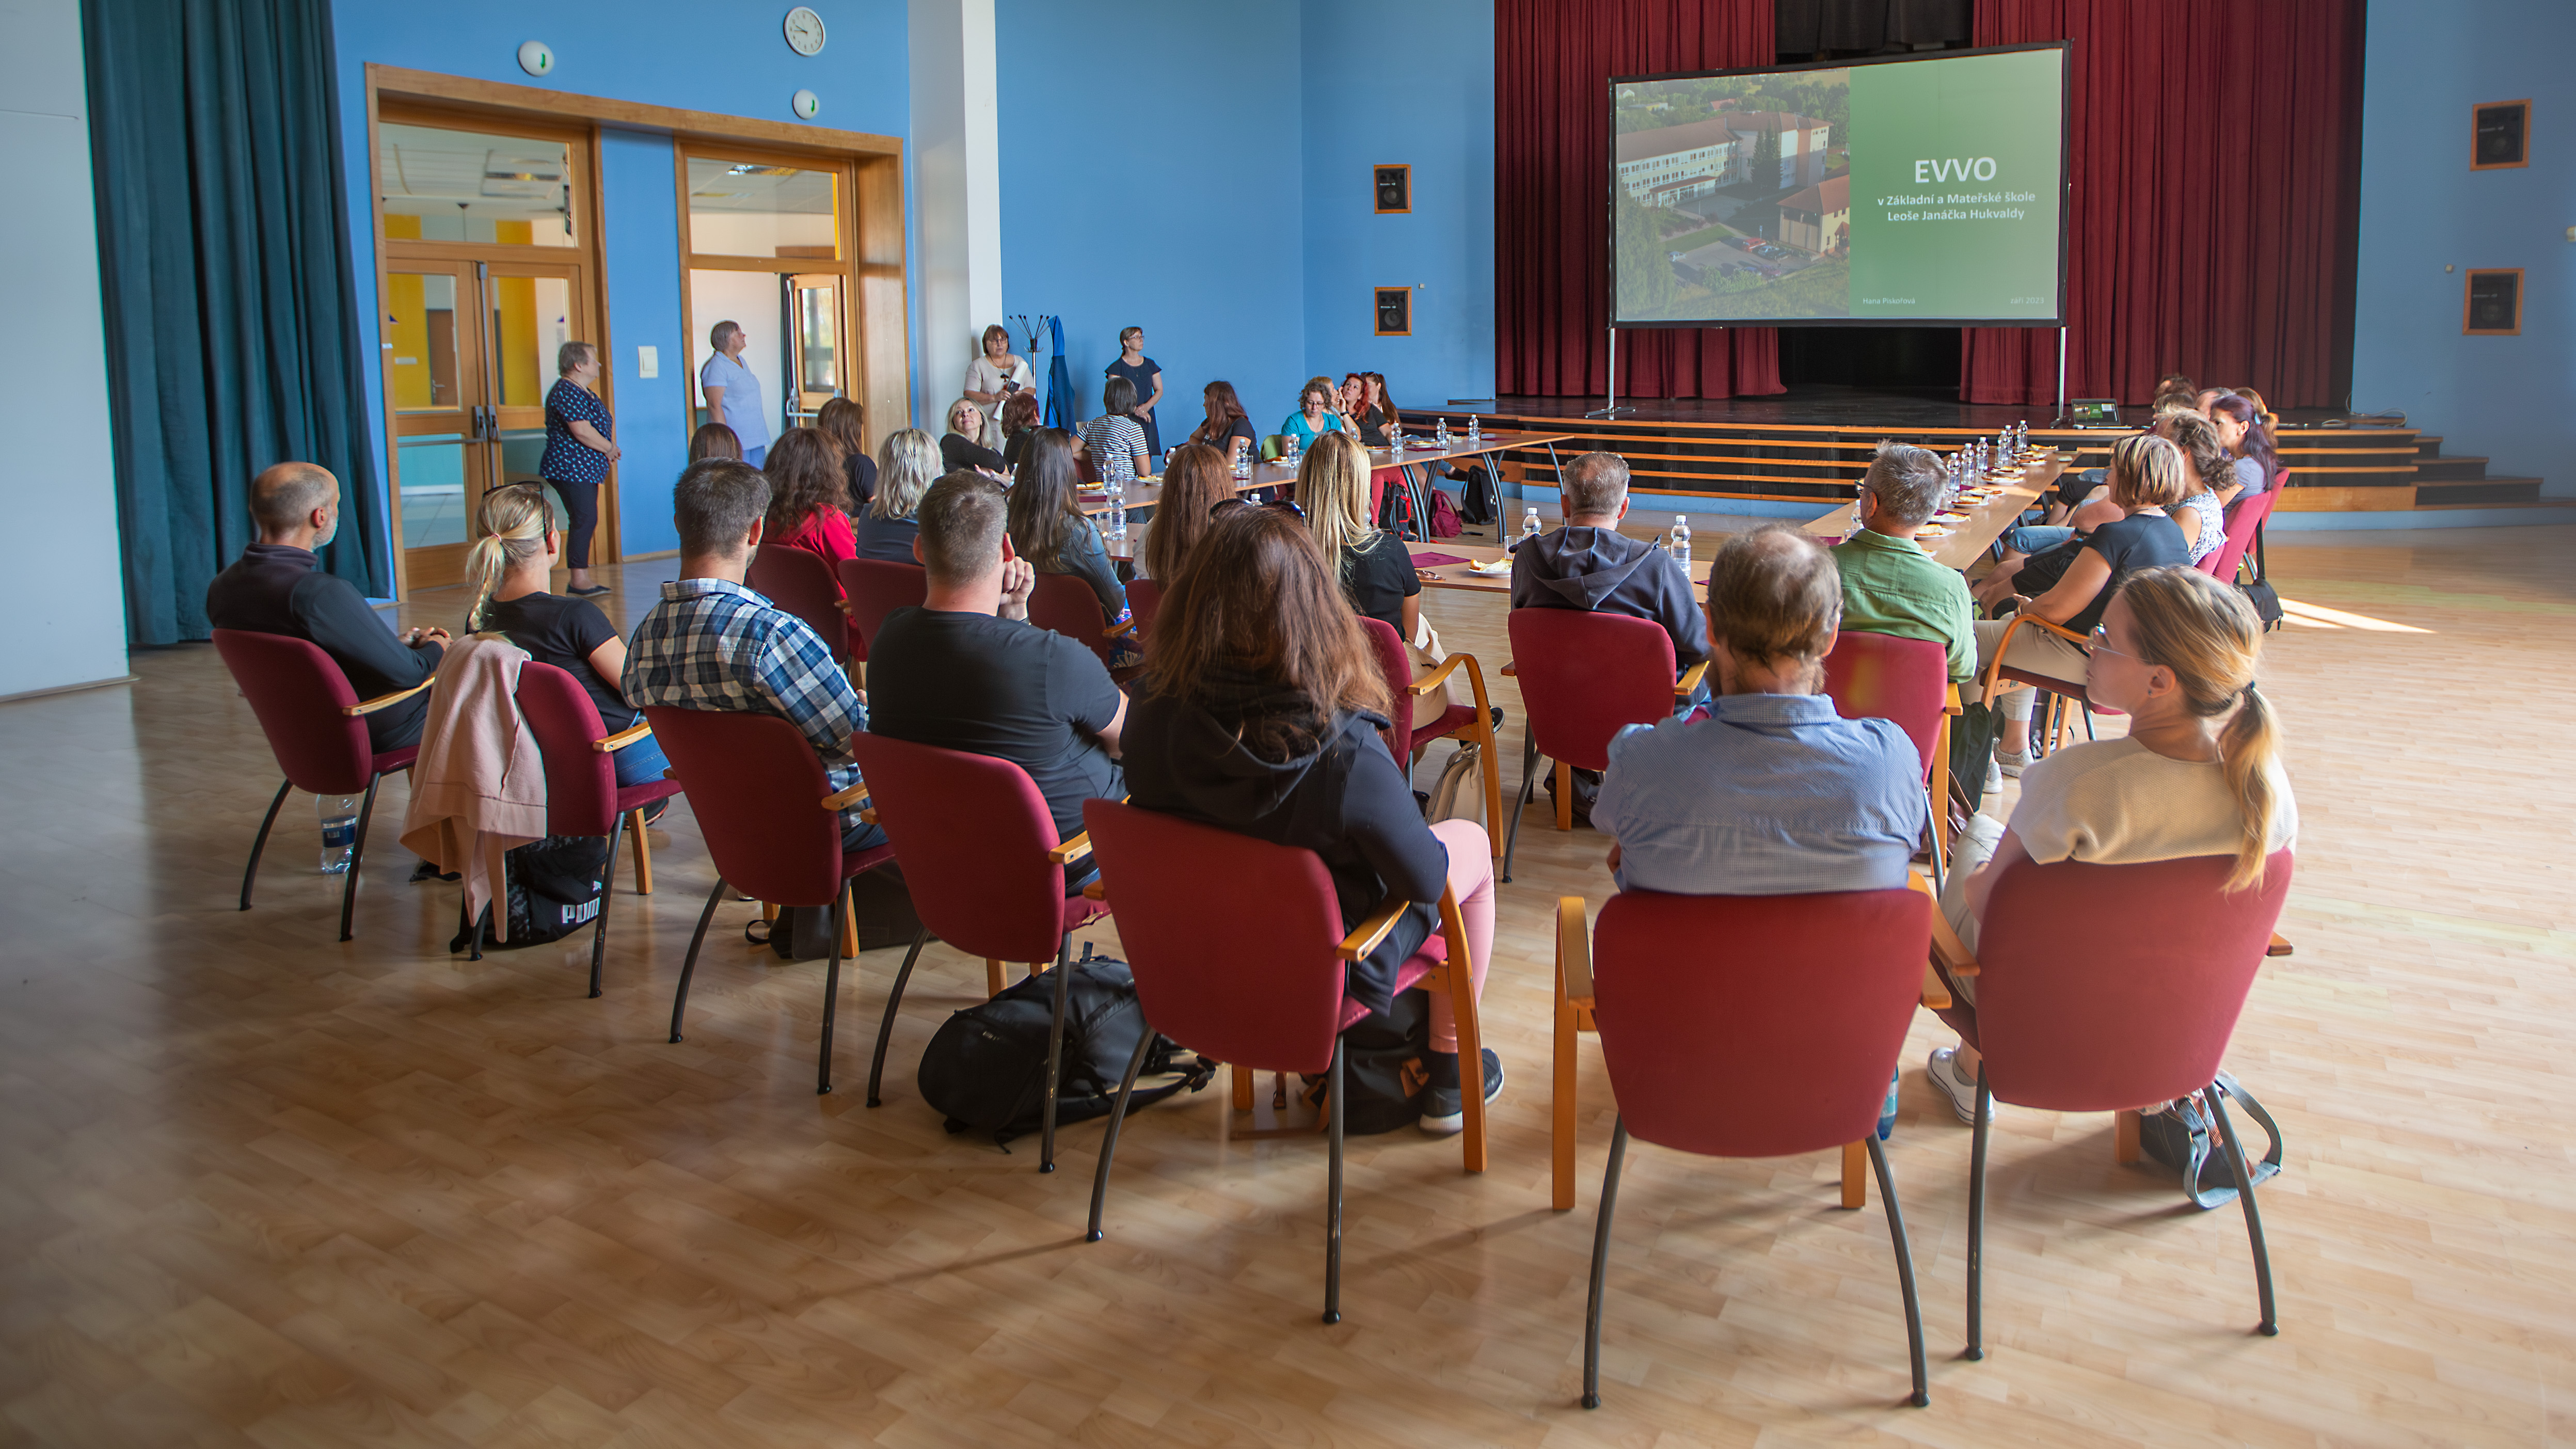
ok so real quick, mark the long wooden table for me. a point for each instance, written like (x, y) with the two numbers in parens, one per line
(1381, 460)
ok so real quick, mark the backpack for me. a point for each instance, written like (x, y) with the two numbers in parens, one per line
(880, 903)
(1383, 1077)
(551, 888)
(1972, 750)
(985, 1068)
(1478, 503)
(1444, 515)
(2184, 1138)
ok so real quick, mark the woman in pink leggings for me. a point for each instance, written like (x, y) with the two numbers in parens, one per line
(1260, 711)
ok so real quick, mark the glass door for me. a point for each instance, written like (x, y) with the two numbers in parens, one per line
(434, 370)
(814, 342)
(531, 309)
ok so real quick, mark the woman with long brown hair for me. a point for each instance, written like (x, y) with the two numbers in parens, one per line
(1048, 526)
(1195, 481)
(846, 421)
(1226, 422)
(1376, 571)
(1020, 417)
(1260, 713)
(807, 490)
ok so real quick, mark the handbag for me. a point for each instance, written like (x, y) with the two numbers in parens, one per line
(2184, 1137)
(1459, 793)
(1427, 654)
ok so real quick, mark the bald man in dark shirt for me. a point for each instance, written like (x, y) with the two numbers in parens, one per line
(278, 587)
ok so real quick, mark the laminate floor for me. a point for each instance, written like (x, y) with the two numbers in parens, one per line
(260, 1187)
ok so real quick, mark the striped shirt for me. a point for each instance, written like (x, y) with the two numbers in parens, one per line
(1114, 440)
(713, 644)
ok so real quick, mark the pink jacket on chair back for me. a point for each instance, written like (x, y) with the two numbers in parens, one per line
(479, 787)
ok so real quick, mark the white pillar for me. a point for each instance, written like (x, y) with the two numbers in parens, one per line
(957, 193)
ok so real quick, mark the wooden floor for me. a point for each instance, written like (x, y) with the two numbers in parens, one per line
(260, 1187)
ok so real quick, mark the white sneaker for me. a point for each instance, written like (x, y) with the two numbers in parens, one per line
(1961, 1090)
(2012, 764)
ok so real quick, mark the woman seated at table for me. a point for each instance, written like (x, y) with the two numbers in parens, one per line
(1195, 482)
(960, 447)
(1115, 440)
(2240, 430)
(713, 440)
(2199, 772)
(1375, 570)
(806, 487)
(1315, 415)
(1048, 526)
(1227, 429)
(907, 465)
(2202, 520)
(1020, 417)
(1259, 712)
(845, 421)
(2148, 476)
(506, 570)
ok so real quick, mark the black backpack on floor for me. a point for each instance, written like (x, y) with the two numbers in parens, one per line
(880, 903)
(1383, 1076)
(985, 1068)
(1478, 504)
(551, 888)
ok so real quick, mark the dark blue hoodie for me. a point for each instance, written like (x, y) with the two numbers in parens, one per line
(1602, 570)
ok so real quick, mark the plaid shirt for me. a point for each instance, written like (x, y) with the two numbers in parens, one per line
(712, 644)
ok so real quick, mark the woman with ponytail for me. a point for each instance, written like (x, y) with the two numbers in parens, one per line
(2199, 772)
(506, 569)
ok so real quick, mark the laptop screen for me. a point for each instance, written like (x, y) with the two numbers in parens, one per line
(2094, 410)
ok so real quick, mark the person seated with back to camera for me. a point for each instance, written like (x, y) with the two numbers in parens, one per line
(2199, 772)
(1890, 585)
(1260, 713)
(1774, 792)
(1375, 568)
(808, 485)
(908, 463)
(277, 586)
(845, 421)
(1115, 440)
(1020, 419)
(714, 440)
(1051, 531)
(966, 670)
(1196, 482)
(1587, 563)
(713, 643)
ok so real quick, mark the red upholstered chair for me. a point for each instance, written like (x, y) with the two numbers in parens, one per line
(582, 793)
(771, 826)
(1907, 682)
(1066, 605)
(987, 874)
(1414, 728)
(2244, 520)
(1240, 955)
(2049, 728)
(877, 588)
(1584, 677)
(316, 728)
(799, 581)
(1144, 596)
(1807, 998)
(2117, 1021)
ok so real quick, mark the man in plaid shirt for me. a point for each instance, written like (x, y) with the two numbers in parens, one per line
(712, 643)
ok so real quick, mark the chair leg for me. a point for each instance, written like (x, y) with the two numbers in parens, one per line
(1242, 1076)
(643, 855)
(259, 842)
(1564, 796)
(992, 978)
(1055, 1057)
(1904, 1267)
(1561, 1109)
(1471, 1056)
(607, 893)
(1109, 1140)
(849, 930)
(1493, 789)
(357, 858)
(689, 967)
(832, 991)
(894, 998)
(1601, 1264)
(2124, 1138)
(1333, 1211)
(1977, 1221)
(1855, 1186)
(2271, 1324)
(1529, 787)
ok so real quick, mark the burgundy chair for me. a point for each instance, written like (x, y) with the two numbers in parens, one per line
(316, 728)
(755, 786)
(1907, 682)
(1239, 954)
(1065, 604)
(2070, 1017)
(1144, 596)
(2244, 521)
(1807, 998)
(877, 588)
(987, 875)
(582, 793)
(1411, 733)
(1584, 677)
(799, 581)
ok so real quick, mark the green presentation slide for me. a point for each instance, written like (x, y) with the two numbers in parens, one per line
(1917, 190)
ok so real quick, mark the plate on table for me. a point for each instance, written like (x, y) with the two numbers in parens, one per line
(1933, 530)
(1948, 516)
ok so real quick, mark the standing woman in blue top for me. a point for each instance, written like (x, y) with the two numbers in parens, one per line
(578, 452)
(733, 391)
(1147, 375)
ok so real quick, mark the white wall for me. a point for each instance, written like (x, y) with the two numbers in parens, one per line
(68, 612)
(957, 195)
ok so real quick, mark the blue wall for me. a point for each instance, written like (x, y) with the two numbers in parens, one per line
(730, 59)
(2422, 209)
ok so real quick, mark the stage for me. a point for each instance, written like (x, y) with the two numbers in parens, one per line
(1834, 406)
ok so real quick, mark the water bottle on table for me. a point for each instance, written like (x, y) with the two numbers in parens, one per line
(1529, 523)
(1681, 540)
(1442, 438)
(339, 817)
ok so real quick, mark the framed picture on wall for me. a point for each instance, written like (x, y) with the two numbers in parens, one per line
(1394, 189)
(2493, 305)
(2500, 134)
(1395, 311)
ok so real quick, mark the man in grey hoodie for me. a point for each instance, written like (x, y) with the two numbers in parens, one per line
(1589, 564)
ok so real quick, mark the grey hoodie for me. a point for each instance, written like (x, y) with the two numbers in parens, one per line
(1602, 570)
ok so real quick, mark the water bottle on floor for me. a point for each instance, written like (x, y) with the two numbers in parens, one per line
(1681, 540)
(1529, 523)
(1887, 1113)
(339, 817)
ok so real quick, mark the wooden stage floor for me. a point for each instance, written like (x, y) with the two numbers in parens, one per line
(258, 1187)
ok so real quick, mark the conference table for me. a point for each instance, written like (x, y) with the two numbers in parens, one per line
(1417, 451)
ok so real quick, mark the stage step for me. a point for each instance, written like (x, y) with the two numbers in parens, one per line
(2449, 470)
(2479, 493)
(2428, 445)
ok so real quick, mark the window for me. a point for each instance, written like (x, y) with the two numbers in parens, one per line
(472, 186)
(756, 209)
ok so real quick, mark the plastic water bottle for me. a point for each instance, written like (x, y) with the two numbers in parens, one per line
(339, 817)
(1529, 523)
(1117, 509)
(1887, 1112)
(1442, 437)
(1475, 432)
(1681, 540)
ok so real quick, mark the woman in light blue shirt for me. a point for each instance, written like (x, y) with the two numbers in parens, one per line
(733, 391)
(1315, 415)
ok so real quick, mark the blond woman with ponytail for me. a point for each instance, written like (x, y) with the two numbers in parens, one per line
(2199, 772)
(507, 570)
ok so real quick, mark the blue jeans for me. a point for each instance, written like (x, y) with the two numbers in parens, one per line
(641, 763)
(861, 835)
(2033, 537)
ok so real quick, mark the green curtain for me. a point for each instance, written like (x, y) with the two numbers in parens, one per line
(231, 299)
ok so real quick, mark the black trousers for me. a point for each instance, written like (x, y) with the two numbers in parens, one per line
(581, 510)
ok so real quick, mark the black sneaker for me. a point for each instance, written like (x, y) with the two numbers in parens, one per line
(1444, 1109)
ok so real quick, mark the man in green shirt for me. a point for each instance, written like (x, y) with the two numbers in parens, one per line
(1890, 585)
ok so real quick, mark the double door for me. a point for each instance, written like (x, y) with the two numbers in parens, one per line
(470, 351)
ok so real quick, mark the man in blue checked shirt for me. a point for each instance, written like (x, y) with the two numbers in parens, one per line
(713, 644)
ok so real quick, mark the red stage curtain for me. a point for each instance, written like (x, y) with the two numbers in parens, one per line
(1552, 67)
(2214, 150)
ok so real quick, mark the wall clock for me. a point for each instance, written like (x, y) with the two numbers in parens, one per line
(804, 31)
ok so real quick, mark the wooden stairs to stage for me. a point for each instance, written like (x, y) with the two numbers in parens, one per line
(2364, 469)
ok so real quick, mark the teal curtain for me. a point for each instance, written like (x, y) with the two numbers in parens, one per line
(231, 298)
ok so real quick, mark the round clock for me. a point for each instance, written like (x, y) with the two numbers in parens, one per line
(804, 31)
(807, 104)
(536, 57)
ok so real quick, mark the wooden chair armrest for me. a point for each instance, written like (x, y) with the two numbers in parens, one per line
(1946, 945)
(1437, 677)
(855, 795)
(384, 701)
(2280, 945)
(1364, 937)
(1573, 952)
(1511, 669)
(1096, 891)
(1688, 684)
(640, 730)
(1124, 626)
(1072, 850)
(1950, 702)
